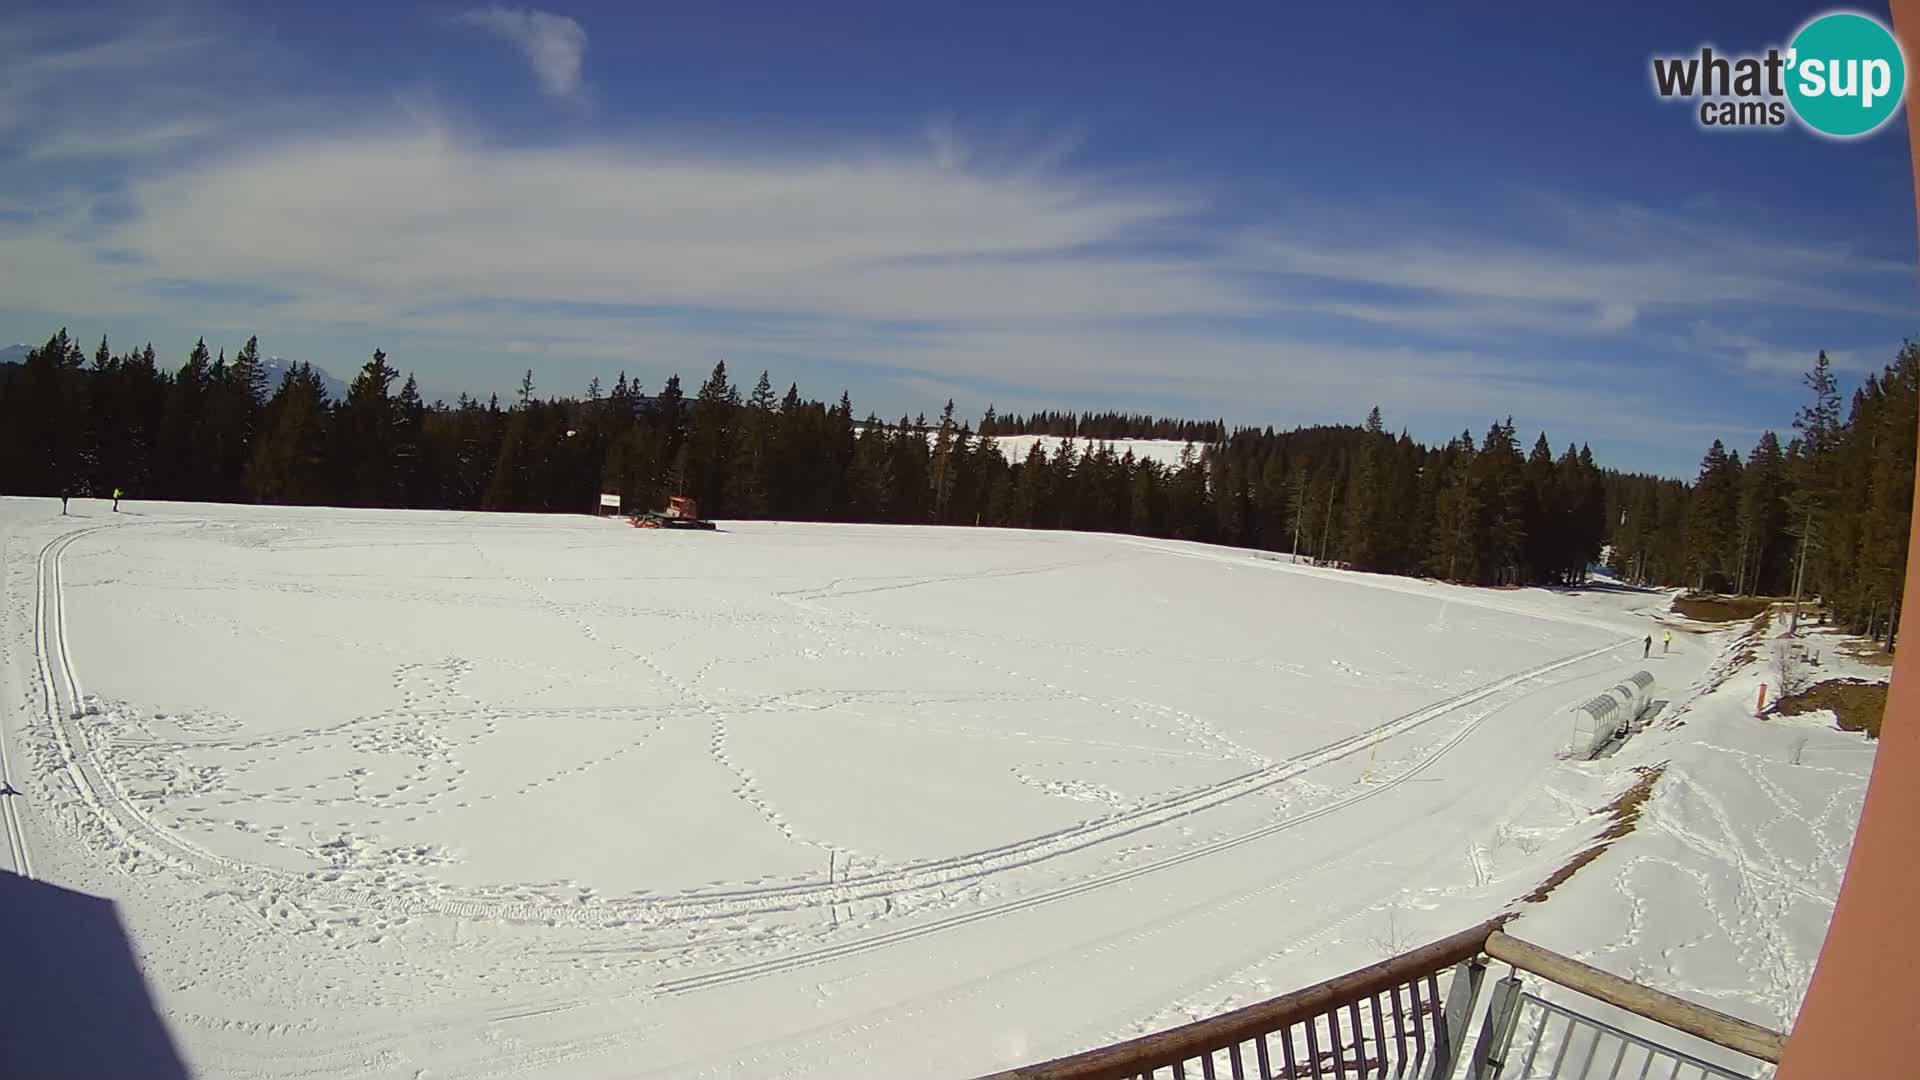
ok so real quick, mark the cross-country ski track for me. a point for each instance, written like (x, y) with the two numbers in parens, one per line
(1280, 863)
(65, 703)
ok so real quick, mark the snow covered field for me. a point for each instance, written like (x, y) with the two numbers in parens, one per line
(401, 794)
(1165, 451)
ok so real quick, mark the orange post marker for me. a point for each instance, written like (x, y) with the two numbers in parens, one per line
(1760, 706)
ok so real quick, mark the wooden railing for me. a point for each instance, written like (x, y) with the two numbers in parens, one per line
(1388, 1019)
(1677, 1013)
(1391, 1019)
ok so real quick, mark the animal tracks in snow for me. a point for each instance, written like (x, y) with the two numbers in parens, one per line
(175, 784)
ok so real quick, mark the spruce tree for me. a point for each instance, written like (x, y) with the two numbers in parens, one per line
(1364, 496)
(365, 444)
(1143, 497)
(103, 418)
(1300, 504)
(1031, 496)
(670, 412)
(1500, 485)
(1882, 431)
(184, 475)
(514, 464)
(410, 454)
(941, 473)
(1268, 485)
(1189, 510)
(1763, 519)
(1818, 423)
(288, 463)
(1458, 512)
(1712, 519)
(710, 441)
(53, 382)
(754, 452)
(870, 477)
(249, 377)
(1062, 509)
(1541, 514)
(1588, 500)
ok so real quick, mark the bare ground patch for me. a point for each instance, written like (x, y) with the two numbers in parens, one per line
(1857, 705)
(1867, 653)
(1624, 815)
(1709, 607)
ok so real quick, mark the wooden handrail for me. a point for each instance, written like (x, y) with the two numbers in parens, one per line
(1715, 1027)
(1164, 1048)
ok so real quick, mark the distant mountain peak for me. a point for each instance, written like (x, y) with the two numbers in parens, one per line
(277, 366)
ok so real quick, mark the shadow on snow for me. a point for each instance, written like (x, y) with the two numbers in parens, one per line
(72, 1000)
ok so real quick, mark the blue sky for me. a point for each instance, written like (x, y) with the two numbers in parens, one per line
(1241, 210)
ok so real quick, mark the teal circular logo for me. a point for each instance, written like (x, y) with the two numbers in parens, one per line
(1845, 74)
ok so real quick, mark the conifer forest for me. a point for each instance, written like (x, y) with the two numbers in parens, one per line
(1821, 506)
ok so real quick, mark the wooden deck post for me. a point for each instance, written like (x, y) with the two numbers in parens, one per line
(1859, 1018)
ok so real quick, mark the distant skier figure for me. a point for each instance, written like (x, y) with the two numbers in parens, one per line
(63, 504)
(116, 500)
(1646, 649)
(1666, 643)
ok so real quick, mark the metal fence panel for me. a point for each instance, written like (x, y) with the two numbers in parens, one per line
(1536, 1039)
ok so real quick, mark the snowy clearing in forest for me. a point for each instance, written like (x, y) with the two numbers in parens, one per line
(382, 792)
(1015, 448)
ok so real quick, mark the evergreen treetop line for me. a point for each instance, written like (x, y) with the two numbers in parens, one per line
(1828, 508)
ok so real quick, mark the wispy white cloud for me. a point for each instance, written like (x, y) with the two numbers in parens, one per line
(1606, 284)
(1006, 263)
(1466, 318)
(412, 217)
(162, 137)
(65, 56)
(133, 84)
(1771, 357)
(904, 260)
(411, 213)
(556, 45)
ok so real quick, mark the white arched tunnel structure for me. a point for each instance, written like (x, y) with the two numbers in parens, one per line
(1599, 721)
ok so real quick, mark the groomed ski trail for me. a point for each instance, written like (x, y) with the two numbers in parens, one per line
(101, 794)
